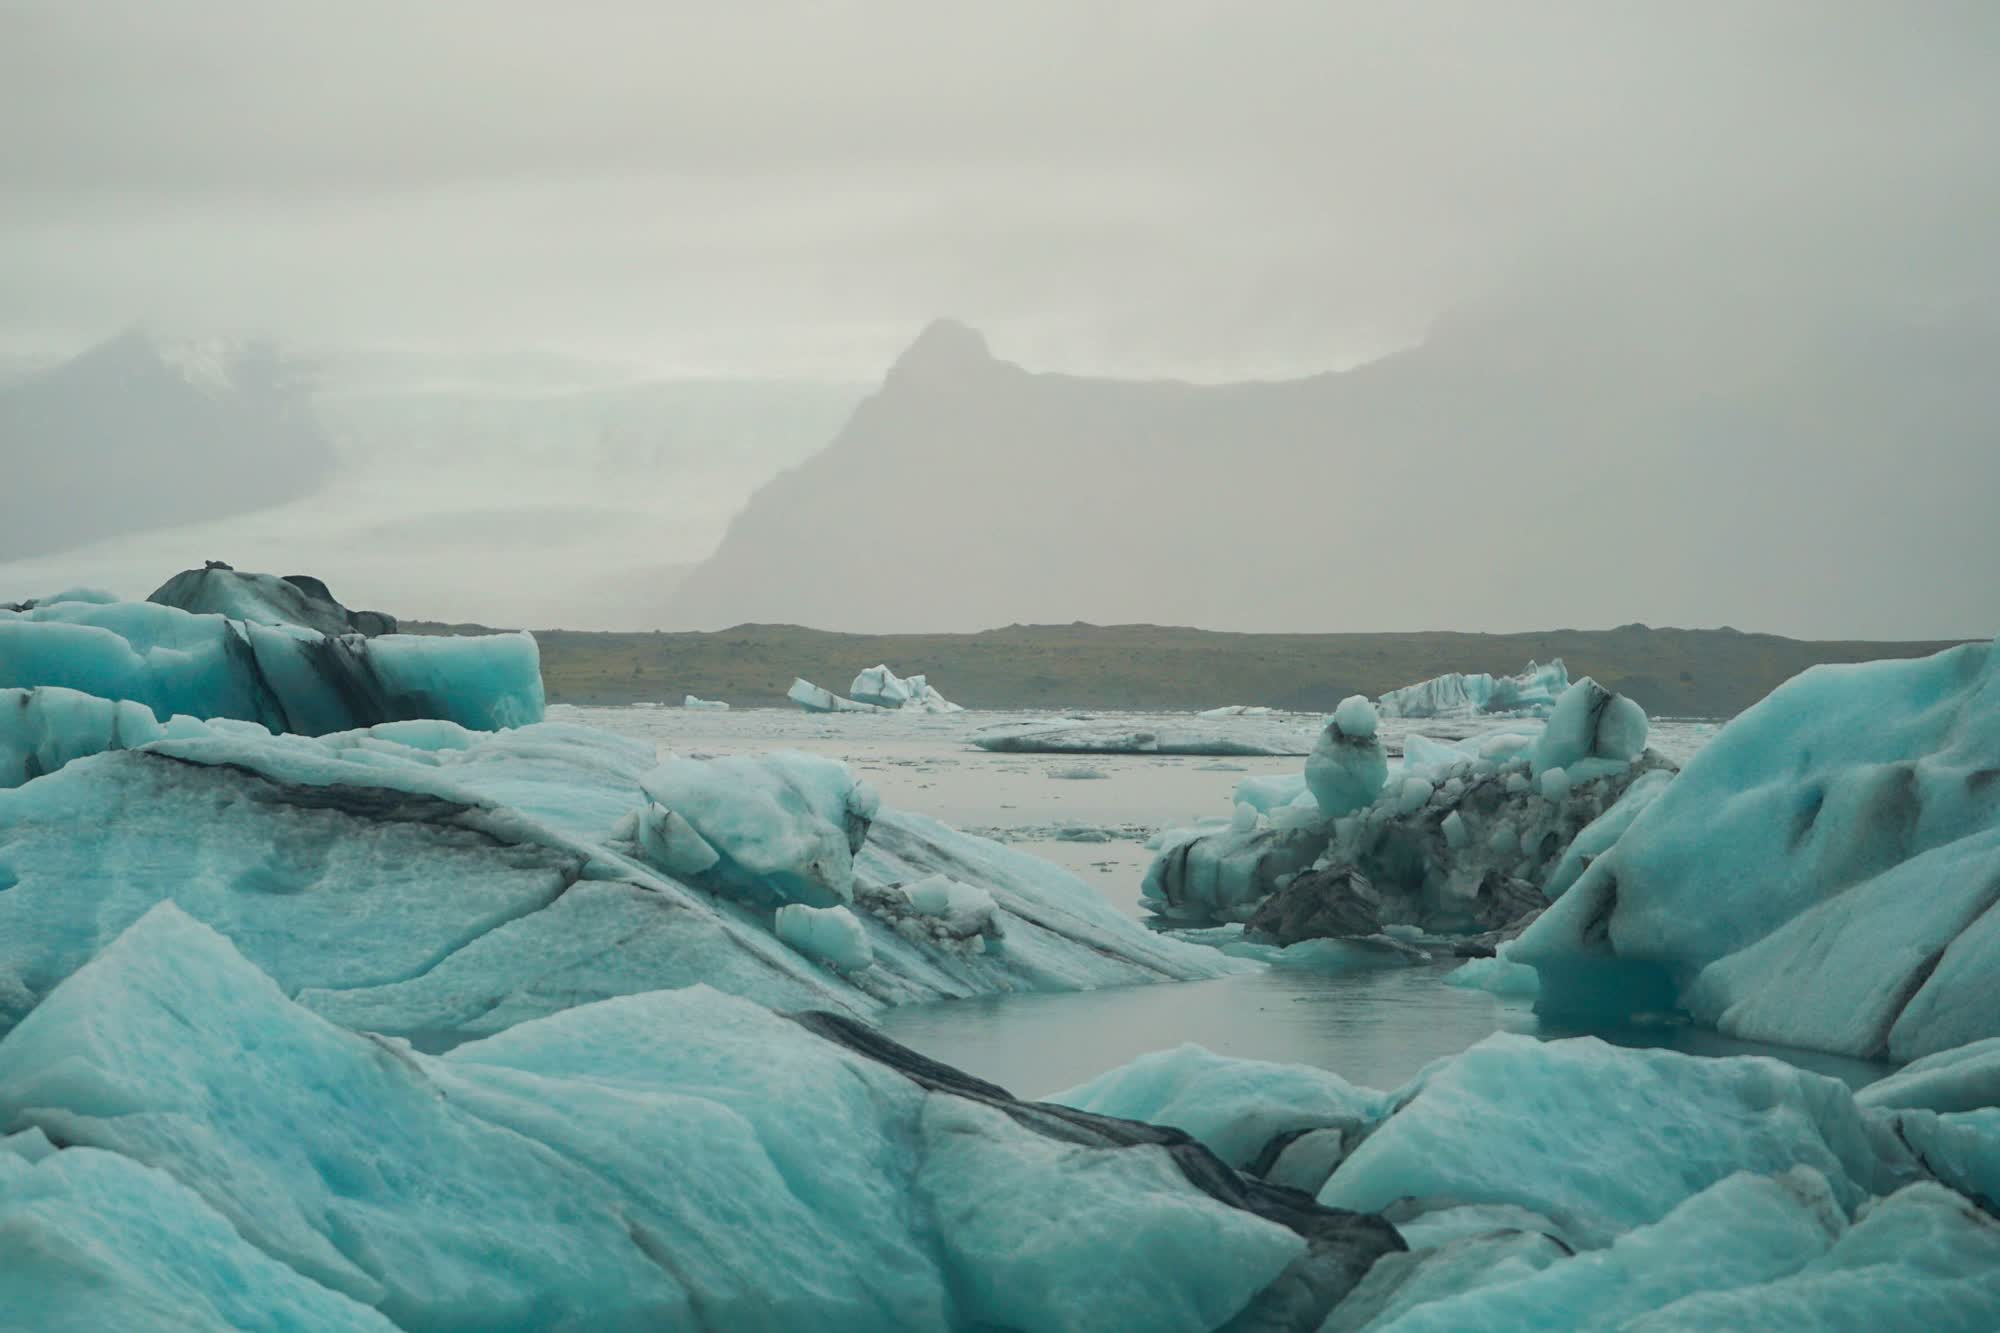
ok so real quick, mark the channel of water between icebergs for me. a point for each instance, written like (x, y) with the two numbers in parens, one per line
(1373, 1028)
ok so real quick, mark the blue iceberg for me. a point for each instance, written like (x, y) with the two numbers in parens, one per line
(1821, 875)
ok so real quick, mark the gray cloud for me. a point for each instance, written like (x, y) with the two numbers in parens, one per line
(1198, 189)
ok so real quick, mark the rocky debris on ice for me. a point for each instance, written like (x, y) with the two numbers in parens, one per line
(266, 599)
(1451, 695)
(1456, 839)
(284, 677)
(1821, 875)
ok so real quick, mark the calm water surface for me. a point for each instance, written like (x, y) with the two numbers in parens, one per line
(1376, 1028)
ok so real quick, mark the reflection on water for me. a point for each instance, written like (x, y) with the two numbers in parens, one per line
(1374, 1028)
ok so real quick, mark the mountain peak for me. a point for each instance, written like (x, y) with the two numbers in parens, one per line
(946, 349)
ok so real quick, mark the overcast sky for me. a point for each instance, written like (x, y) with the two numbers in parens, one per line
(1208, 190)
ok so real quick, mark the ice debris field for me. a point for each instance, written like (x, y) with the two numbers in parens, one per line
(339, 989)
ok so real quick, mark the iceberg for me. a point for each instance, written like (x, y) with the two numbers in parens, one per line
(673, 1159)
(713, 705)
(1640, 1133)
(882, 687)
(1084, 736)
(284, 677)
(1575, 1184)
(813, 699)
(1821, 875)
(1458, 839)
(266, 599)
(1454, 694)
(436, 883)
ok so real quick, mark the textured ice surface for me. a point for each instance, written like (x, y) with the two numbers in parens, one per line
(42, 729)
(1601, 1139)
(1458, 695)
(675, 1159)
(94, 1241)
(266, 599)
(828, 934)
(1235, 1107)
(284, 677)
(882, 687)
(784, 827)
(422, 879)
(1822, 874)
(1347, 766)
(813, 699)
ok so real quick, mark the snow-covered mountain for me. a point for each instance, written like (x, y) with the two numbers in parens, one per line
(141, 433)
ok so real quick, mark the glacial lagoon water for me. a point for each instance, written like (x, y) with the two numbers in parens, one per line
(1092, 814)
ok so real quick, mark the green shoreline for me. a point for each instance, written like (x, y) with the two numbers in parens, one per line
(1672, 672)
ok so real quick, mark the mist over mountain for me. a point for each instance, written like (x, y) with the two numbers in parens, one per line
(1622, 454)
(143, 433)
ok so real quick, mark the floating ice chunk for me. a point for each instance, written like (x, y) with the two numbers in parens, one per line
(283, 677)
(1078, 773)
(785, 826)
(1347, 767)
(1353, 954)
(1078, 736)
(1590, 722)
(1455, 835)
(1553, 784)
(1497, 975)
(1235, 1107)
(716, 705)
(1820, 875)
(1458, 695)
(883, 688)
(1642, 1131)
(813, 699)
(1245, 818)
(1235, 710)
(830, 934)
